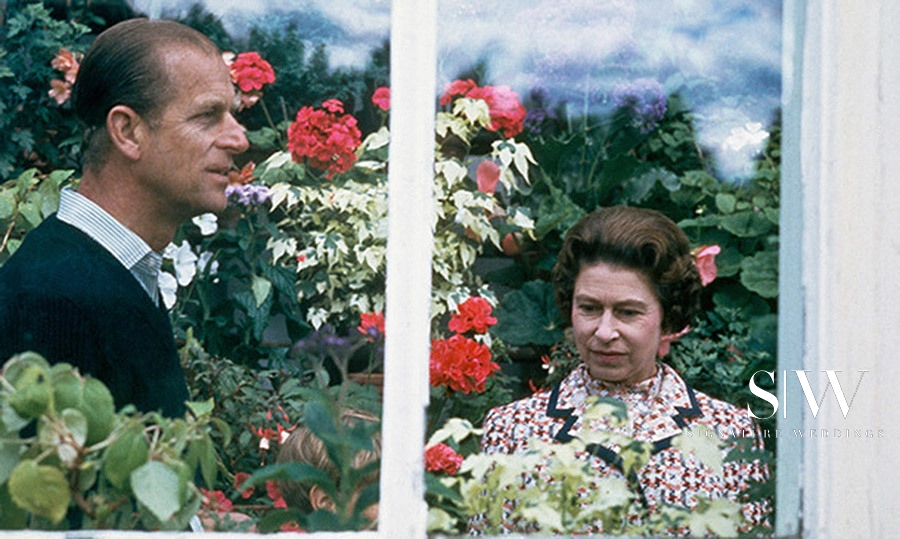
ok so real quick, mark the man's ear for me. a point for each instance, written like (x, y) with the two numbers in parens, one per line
(126, 130)
(318, 499)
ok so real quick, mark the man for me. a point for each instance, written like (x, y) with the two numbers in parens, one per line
(156, 99)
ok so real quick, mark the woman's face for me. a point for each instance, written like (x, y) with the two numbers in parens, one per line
(617, 323)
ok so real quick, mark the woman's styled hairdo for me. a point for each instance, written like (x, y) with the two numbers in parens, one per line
(125, 65)
(639, 239)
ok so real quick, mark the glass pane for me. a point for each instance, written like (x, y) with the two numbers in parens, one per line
(671, 106)
(276, 301)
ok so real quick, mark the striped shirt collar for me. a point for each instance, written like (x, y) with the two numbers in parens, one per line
(124, 245)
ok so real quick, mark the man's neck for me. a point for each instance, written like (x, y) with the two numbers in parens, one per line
(126, 207)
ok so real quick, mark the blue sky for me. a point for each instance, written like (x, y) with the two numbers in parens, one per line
(724, 56)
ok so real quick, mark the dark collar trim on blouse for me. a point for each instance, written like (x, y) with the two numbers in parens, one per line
(685, 413)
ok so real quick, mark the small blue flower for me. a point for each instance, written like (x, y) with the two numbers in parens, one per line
(645, 99)
(247, 195)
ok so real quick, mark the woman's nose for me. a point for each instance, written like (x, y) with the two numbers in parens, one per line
(607, 328)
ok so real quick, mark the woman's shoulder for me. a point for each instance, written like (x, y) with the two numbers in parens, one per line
(716, 412)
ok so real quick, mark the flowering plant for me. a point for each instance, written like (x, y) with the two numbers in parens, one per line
(550, 488)
(334, 235)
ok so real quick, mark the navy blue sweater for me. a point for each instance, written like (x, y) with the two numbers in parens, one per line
(67, 298)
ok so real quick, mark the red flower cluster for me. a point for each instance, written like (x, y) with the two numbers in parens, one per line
(250, 72)
(271, 490)
(382, 98)
(442, 457)
(461, 363)
(371, 325)
(507, 112)
(473, 314)
(325, 139)
(216, 501)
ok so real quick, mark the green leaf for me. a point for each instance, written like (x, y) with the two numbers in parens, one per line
(261, 287)
(759, 273)
(725, 202)
(99, 409)
(157, 487)
(747, 224)
(7, 204)
(529, 316)
(704, 443)
(201, 408)
(40, 489)
(125, 455)
(202, 453)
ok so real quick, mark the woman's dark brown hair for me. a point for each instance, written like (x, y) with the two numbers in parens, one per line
(639, 239)
(125, 65)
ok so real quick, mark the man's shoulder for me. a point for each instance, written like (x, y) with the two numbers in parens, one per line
(56, 260)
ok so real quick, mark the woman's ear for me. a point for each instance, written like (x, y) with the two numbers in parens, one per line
(126, 130)
(318, 499)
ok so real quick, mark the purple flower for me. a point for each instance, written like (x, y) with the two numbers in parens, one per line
(247, 195)
(645, 99)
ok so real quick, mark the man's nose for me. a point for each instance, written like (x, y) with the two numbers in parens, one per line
(234, 139)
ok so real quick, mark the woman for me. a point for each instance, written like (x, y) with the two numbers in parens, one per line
(626, 282)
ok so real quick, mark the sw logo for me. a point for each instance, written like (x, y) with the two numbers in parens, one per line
(814, 405)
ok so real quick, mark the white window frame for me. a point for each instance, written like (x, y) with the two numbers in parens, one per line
(840, 258)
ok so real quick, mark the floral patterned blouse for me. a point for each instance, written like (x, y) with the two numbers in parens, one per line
(659, 409)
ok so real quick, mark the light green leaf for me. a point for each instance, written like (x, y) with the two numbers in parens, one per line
(157, 487)
(125, 455)
(725, 202)
(759, 273)
(704, 443)
(261, 287)
(40, 489)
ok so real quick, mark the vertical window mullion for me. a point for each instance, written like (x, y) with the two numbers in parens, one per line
(403, 511)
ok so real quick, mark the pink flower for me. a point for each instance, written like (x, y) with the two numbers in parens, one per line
(705, 258)
(66, 62)
(507, 112)
(487, 175)
(472, 314)
(60, 91)
(250, 72)
(442, 458)
(382, 98)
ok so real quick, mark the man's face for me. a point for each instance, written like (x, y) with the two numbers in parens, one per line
(185, 162)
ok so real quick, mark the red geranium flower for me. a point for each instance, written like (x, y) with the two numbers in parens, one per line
(472, 314)
(371, 325)
(216, 501)
(507, 112)
(239, 479)
(275, 495)
(250, 72)
(325, 139)
(461, 364)
(382, 98)
(442, 457)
